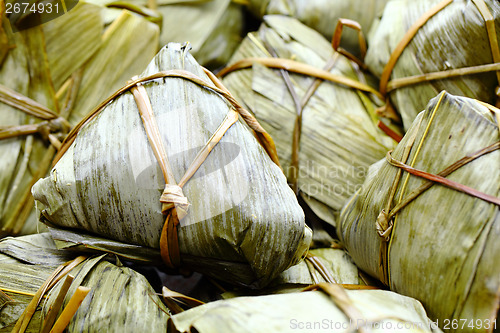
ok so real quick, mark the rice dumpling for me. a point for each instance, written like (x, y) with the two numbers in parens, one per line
(50, 76)
(427, 220)
(229, 211)
(331, 309)
(120, 299)
(421, 47)
(316, 104)
(322, 15)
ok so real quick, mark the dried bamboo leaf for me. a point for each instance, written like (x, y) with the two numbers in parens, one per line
(23, 277)
(214, 28)
(218, 47)
(339, 137)
(437, 46)
(82, 242)
(108, 182)
(37, 249)
(4, 41)
(335, 266)
(172, 297)
(307, 311)
(27, 262)
(20, 282)
(4, 299)
(444, 243)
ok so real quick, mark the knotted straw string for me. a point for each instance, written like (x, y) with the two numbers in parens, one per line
(387, 86)
(287, 65)
(337, 37)
(174, 204)
(52, 129)
(384, 224)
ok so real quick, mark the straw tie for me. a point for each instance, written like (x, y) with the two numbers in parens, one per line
(169, 244)
(344, 303)
(382, 225)
(52, 129)
(58, 125)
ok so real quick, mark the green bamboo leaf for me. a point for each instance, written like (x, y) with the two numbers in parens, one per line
(25, 70)
(38, 249)
(214, 28)
(336, 261)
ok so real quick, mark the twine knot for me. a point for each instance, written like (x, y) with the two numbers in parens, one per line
(58, 128)
(383, 227)
(173, 197)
